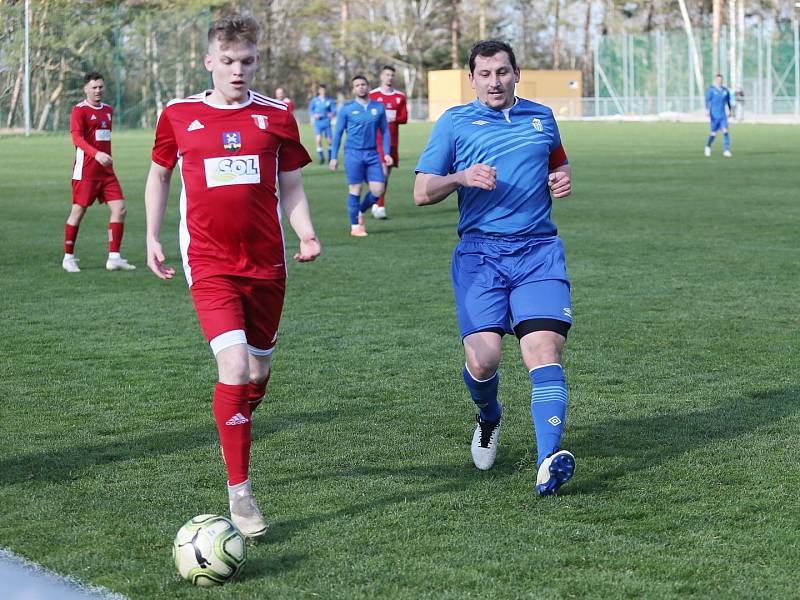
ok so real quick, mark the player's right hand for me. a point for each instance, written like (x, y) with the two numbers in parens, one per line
(155, 260)
(333, 164)
(480, 176)
(104, 159)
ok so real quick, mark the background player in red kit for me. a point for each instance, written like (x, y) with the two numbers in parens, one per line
(394, 101)
(280, 94)
(233, 147)
(93, 174)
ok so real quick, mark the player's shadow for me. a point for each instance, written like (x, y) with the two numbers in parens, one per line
(641, 443)
(261, 564)
(62, 464)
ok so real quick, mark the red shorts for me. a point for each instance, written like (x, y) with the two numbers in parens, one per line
(86, 191)
(239, 310)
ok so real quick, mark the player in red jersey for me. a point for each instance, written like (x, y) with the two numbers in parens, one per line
(234, 149)
(280, 94)
(394, 101)
(93, 175)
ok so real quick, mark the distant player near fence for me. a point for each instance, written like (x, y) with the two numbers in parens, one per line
(718, 107)
(93, 177)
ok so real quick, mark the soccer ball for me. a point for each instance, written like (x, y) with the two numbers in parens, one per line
(209, 550)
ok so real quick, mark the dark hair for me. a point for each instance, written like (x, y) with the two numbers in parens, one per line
(234, 29)
(91, 76)
(488, 48)
(323, 86)
(353, 80)
(389, 68)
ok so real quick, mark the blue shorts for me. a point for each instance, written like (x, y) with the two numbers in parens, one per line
(499, 282)
(718, 123)
(363, 165)
(323, 127)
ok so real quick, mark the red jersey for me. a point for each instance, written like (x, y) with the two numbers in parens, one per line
(289, 104)
(229, 157)
(90, 127)
(396, 111)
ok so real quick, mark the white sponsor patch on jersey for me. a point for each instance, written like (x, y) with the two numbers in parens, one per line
(391, 115)
(234, 170)
(102, 135)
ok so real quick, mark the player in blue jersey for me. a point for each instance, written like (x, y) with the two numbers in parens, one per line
(504, 158)
(362, 118)
(718, 107)
(322, 110)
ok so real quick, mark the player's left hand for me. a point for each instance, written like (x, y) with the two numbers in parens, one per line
(388, 160)
(333, 164)
(560, 184)
(309, 250)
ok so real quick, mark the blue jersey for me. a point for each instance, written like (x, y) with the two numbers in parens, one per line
(522, 143)
(362, 124)
(324, 107)
(717, 98)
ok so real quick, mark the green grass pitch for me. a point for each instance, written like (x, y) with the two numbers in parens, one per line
(682, 368)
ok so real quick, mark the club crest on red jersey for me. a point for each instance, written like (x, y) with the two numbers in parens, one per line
(231, 141)
(262, 122)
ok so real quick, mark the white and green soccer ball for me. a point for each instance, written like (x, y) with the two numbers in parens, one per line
(209, 550)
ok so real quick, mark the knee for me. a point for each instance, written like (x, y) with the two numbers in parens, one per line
(232, 369)
(483, 367)
(119, 213)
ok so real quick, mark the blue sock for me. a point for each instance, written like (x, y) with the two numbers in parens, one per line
(548, 407)
(352, 208)
(484, 395)
(321, 156)
(710, 140)
(368, 201)
(329, 155)
(726, 141)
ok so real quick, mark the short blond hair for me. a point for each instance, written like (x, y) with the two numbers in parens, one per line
(234, 29)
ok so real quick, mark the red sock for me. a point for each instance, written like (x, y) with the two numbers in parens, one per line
(232, 414)
(115, 231)
(256, 392)
(70, 235)
(379, 201)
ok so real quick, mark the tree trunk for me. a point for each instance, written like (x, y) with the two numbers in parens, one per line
(556, 38)
(62, 75)
(341, 74)
(454, 31)
(15, 94)
(155, 67)
(716, 17)
(588, 63)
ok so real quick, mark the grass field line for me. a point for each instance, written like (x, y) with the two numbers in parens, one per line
(23, 579)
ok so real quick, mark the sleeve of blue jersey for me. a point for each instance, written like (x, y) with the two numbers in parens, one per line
(341, 121)
(438, 158)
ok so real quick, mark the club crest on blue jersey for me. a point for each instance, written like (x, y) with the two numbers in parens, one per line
(231, 141)
(537, 124)
(374, 111)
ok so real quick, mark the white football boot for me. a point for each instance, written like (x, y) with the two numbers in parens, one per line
(727, 154)
(378, 212)
(245, 513)
(484, 443)
(555, 470)
(70, 264)
(119, 264)
(707, 151)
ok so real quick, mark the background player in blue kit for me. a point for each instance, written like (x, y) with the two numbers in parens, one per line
(361, 118)
(503, 155)
(322, 108)
(718, 107)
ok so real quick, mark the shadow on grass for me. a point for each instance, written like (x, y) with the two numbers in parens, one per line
(63, 464)
(259, 566)
(646, 441)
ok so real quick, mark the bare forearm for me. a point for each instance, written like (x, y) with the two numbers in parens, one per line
(156, 192)
(430, 189)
